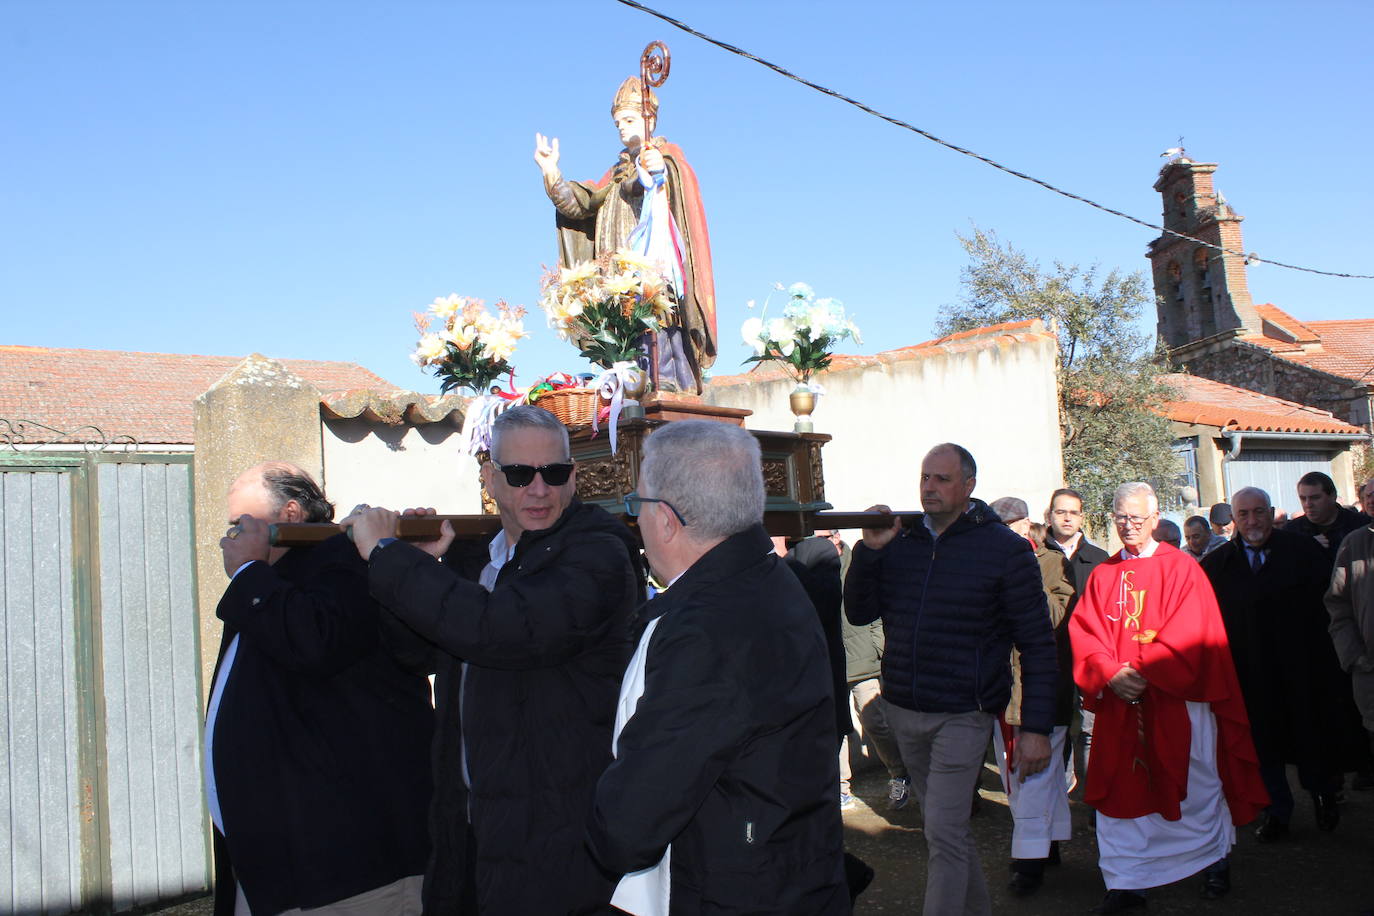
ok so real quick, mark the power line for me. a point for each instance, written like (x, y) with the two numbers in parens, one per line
(782, 71)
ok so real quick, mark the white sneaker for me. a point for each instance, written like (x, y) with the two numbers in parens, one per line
(898, 793)
(846, 801)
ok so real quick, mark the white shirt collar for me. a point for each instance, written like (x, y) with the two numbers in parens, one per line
(1147, 551)
(1072, 546)
(499, 551)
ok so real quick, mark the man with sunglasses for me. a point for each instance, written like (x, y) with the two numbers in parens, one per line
(528, 660)
(722, 795)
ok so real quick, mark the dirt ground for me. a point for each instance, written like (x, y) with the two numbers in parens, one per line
(1310, 873)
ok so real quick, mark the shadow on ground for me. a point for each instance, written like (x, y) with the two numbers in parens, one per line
(1310, 873)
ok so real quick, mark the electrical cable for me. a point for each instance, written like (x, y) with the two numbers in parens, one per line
(782, 71)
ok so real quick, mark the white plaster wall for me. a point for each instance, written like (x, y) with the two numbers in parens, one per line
(997, 399)
(398, 467)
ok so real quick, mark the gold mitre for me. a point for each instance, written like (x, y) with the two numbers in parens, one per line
(629, 96)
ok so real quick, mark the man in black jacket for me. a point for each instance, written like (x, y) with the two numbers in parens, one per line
(1327, 522)
(722, 795)
(533, 653)
(955, 593)
(1270, 584)
(1324, 519)
(317, 743)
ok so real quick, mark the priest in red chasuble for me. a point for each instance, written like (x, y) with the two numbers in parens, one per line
(1173, 768)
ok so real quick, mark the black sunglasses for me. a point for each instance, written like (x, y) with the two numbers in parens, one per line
(634, 504)
(522, 475)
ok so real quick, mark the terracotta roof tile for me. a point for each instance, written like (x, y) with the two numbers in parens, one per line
(1344, 349)
(1276, 316)
(1209, 403)
(144, 395)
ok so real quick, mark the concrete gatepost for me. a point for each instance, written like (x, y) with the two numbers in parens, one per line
(260, 411)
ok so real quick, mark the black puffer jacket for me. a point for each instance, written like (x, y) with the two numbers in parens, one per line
(546, 651)
(952, 608)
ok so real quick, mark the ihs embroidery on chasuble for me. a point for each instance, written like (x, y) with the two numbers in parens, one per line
(1130, 603)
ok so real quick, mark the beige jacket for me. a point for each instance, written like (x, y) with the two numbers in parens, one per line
(1058, 592)
(1350, 602)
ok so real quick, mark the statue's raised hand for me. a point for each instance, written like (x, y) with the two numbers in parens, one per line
(546, 153)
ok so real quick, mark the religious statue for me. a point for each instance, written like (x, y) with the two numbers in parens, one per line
(649, 202)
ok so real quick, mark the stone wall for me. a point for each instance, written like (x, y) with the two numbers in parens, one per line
(393, 449)
(260, 411)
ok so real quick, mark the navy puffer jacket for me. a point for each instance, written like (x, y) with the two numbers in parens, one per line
(952, 608)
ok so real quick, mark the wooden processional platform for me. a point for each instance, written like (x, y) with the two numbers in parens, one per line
(793, 478)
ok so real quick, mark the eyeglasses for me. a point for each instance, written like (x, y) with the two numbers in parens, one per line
(1135, 521)
(634, 504)
(522, 475)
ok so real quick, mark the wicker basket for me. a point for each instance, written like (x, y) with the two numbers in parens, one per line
(572, 406)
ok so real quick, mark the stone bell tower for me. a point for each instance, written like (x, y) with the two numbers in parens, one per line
(1200, 292)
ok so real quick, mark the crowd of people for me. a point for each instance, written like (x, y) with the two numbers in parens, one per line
(572, 719)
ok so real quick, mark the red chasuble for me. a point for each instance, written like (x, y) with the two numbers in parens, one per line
(1158, 614)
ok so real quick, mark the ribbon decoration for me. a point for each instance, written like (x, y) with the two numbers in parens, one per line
(510, 394)
(477, 420)
(656, 235)
(555, 382)
(611, 386)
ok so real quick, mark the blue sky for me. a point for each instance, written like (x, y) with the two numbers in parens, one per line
(297, 177)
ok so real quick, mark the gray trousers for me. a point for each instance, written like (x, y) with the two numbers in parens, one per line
(943, 753)
(867, 706)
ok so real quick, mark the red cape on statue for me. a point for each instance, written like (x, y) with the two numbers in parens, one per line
(1158, 614)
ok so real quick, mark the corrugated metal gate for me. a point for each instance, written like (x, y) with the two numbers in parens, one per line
(1276, 472)
(100, 785)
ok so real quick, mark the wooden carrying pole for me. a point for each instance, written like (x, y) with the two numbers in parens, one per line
(426, 527)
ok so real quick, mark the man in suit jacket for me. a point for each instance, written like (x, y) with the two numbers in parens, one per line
(317, 743)
(1270, 584)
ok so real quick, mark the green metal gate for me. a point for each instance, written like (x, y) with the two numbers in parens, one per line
(100, 694)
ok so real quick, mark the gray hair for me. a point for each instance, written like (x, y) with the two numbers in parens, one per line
(1251, 491)
(1135, 488)
(710, 472)
(527, 416)
(285, 482)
